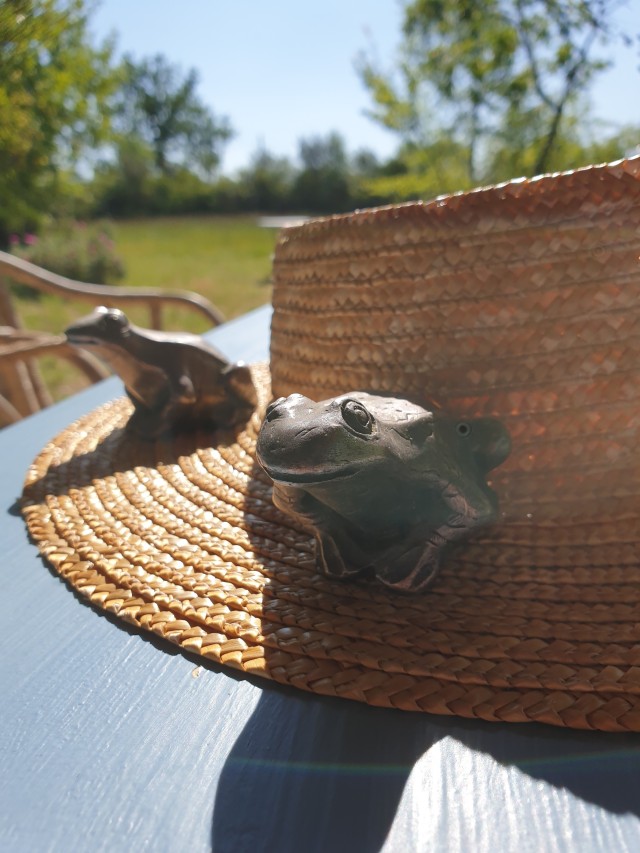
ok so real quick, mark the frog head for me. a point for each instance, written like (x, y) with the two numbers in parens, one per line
(102, 326)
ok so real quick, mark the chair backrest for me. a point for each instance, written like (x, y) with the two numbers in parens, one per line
(22, 388)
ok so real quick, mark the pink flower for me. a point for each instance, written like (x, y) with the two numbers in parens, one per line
(14, 240)
(30, 239)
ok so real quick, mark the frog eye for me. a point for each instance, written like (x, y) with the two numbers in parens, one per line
(357, 417)
(464, 429)
(113, 319)
(272, 409)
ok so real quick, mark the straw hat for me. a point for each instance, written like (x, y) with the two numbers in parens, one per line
(520, 301)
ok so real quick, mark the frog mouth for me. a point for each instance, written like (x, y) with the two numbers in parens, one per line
(80, 338)
(307, 478)
(86, 340)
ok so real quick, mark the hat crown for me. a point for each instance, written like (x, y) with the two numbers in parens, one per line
(518, 301)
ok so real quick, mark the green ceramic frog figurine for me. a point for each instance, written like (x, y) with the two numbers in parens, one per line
(385, 485)
(175, 380)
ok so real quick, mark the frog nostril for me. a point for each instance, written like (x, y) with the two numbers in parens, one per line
(273, 411)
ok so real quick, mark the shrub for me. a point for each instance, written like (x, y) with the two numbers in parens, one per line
(77, 250)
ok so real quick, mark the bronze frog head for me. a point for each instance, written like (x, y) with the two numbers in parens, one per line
(385, 485)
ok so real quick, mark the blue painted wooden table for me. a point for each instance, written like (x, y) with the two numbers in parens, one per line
(114, 741)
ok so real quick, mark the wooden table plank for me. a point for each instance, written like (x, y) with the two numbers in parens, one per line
(112, 740)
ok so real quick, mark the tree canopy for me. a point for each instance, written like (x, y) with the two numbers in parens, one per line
(65, 101)
(159, 104)
(54, 93)
(489, 78)
(484, 90)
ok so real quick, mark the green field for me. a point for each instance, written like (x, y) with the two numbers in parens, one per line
(226, 259)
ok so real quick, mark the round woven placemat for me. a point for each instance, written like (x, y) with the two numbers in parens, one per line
(181, 538)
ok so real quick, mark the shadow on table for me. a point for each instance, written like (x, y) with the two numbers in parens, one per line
(599, 768)
(313, 774)
(316, 774)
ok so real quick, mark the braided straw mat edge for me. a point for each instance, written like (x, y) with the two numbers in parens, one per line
(181, 538)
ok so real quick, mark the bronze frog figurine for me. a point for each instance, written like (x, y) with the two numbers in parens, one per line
(175, 380)
(385, 485)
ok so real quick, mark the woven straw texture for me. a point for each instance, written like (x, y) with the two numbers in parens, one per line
(520, 301)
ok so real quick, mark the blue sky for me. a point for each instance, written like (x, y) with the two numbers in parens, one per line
(284, 69)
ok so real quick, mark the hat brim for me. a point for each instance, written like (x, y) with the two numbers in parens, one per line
(180, 537)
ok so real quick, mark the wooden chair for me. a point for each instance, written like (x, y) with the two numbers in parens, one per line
(22, 389)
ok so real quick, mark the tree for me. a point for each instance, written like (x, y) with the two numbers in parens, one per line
(266, 183)
(160, 106)
(54, 90)
(495, 77)
(122, 186)
(322, 183)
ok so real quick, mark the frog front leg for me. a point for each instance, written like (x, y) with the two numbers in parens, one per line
(148, 421)
(412, 565)
(335, 550)
(183, 391)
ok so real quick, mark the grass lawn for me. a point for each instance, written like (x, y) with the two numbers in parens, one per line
(226, 259)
